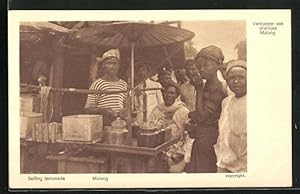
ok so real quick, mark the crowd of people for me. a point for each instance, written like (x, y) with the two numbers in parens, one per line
(206, 107)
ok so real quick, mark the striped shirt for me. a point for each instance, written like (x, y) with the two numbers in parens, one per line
(112, 101)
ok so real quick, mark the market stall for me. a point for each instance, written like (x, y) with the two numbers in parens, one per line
(81, 143)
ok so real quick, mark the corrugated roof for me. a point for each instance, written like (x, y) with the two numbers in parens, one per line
(40, 26)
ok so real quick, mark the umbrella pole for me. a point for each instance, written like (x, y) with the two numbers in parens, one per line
(130, 95)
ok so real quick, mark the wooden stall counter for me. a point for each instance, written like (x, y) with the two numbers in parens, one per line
(105, 158)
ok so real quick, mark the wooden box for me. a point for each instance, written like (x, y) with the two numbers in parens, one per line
(30, 102)
(84, 128)
(28, 120)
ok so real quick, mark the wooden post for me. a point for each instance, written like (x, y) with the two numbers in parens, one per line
(145, 102)
(58, 72)
(130, 96)
(93, 66)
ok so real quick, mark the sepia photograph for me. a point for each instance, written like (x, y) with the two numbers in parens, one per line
(99, 99)
(133, 97)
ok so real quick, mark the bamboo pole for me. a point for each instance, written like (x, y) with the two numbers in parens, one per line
(93, 66)
(58, 73)
(130, 96)
(85, 91)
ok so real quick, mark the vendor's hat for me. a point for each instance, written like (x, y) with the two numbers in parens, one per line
(236, 63)
(211, 52)
(112, 53)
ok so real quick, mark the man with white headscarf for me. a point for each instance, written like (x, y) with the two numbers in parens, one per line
(109, 105)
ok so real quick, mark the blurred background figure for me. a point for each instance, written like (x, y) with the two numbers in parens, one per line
(241, 48)
(164, 77)
(150, 98)
(188, 92)
(41, 70)
(181, 76)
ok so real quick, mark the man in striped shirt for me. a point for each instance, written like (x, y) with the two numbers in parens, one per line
(108, 105)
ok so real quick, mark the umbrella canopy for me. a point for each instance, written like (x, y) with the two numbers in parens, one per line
(122, 34)
(132, 35)
(148, 37)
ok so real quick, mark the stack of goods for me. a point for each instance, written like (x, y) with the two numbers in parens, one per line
(47, 132)
(28, 120)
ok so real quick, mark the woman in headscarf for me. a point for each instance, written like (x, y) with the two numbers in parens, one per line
(231, 147)
(173, 113)
(204, 121)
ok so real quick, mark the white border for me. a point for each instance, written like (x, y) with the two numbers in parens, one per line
(269, 102)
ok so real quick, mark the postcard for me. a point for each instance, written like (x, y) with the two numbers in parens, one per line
(149, 99)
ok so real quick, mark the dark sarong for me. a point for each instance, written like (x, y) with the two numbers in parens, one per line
(204, 128)
(203, 157)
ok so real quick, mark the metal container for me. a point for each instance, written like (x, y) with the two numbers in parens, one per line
(161, 137)
(148, 139)
(149, 136)
(117, 133)
(167, 133)
(117, 136)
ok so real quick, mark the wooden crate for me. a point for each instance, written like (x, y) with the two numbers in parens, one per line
(30, 103)
(84, 128)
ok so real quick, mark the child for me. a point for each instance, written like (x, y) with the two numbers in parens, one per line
(231, 147)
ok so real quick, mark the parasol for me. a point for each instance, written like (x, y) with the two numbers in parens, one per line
(123, 34)
(131, 35)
